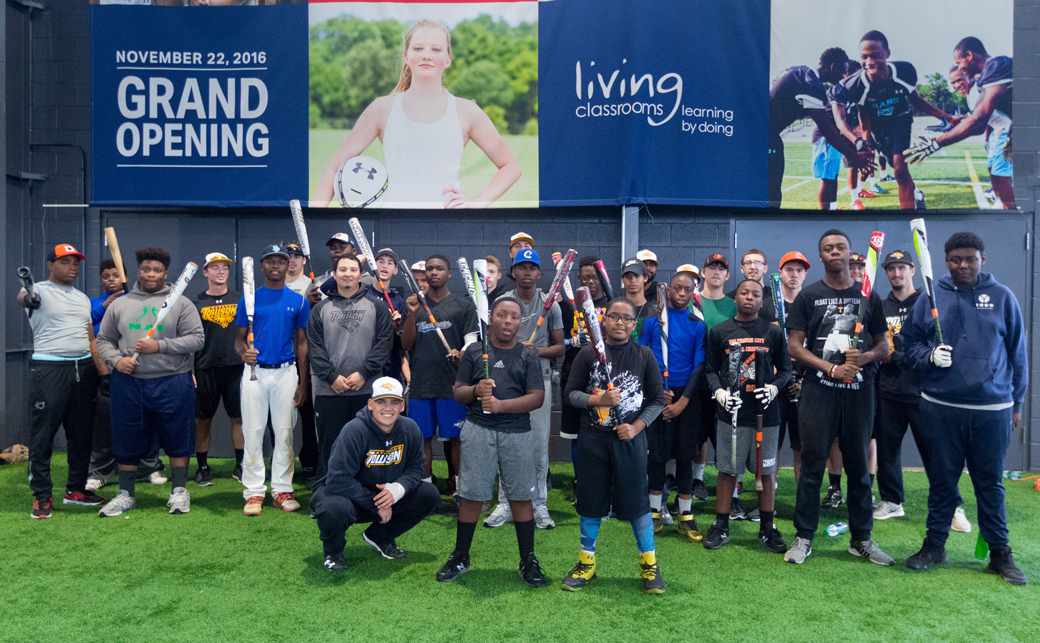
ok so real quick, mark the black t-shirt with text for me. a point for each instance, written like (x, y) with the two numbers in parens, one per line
(747, 337)
(218, 323)
(433, 374)
(517, 371)
(828, 318)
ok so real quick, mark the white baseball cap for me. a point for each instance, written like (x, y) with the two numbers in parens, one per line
(419, 266)
(387, 387)
(690, 268)
(217, 257)
(521, 236)
(646, 255)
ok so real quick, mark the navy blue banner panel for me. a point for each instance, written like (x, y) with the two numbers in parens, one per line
(196, 107)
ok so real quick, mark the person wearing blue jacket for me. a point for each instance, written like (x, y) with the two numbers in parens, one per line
(972, 388)
(676, 432)
(374, 475)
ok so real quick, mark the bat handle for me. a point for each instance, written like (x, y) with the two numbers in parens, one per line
(541, 318)
(386, 295)
(758, 456)
(444, 341)
(252, 367)
(135, 356)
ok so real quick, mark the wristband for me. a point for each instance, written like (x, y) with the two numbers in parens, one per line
(830, 372)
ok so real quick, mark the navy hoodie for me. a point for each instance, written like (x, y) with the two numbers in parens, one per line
(364, 456)
(983, 324)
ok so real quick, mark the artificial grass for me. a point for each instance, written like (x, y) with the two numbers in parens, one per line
(214, 575)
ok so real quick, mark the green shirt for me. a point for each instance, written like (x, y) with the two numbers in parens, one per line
(717, 310)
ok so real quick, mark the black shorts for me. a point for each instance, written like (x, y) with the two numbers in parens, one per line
(708, 418)
(612, 473)
(214, 384)
(789, 423)
(891, 137)
(679, 437)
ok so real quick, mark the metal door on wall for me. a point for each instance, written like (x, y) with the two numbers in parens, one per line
(1006, 258)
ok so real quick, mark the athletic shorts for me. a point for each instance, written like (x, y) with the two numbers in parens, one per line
(486, 452)
(707, 415)
(747, 451)
(998, 152)
(442, 416)
(612, 473)
(891, 137)
(144, 407)
(214, 385)
(679, 437)
(826, 160)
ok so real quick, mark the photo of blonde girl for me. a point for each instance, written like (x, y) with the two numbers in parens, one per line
(423, 129)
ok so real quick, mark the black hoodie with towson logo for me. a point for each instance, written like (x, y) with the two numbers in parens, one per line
(364, 455)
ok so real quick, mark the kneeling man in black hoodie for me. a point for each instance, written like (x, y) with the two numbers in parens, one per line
(374, 475)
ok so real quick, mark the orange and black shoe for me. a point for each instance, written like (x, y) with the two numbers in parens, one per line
(42, 508)
(88, 498)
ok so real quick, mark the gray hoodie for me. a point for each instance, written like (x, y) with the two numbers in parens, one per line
(128, 320)
(348, 335)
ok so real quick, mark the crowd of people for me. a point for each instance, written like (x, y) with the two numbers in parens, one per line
(660, 371)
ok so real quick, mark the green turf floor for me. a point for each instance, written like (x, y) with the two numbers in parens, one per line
(214, 575)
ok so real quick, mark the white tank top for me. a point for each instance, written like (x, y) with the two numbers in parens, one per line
(422, 159)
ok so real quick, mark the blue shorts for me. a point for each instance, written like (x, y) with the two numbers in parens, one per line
(143, 408)
(826, 161)
(441, 416)
(999, 163)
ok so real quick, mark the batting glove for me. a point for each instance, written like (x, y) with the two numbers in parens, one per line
(34, 302)
(921, 150)
(766, 394)
(729, 403)
(941, 356)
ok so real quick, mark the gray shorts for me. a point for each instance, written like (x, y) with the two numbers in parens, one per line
(485, 453)
(746, 450)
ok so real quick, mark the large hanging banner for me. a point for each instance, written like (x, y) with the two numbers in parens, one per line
(440, 105)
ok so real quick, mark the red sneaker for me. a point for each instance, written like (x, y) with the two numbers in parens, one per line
(88, 498)
(286, 502)
(866, 194)
(42, 509)
(858, 205)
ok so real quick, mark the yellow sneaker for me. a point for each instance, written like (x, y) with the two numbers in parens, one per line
(650, 573)
(582, 574)
(688, 528)
(656, 517)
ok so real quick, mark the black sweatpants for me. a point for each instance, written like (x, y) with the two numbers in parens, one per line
(62, 394)
(309, 449)
(331, 413)
(335, 514)
(825, 413)
(892, 420)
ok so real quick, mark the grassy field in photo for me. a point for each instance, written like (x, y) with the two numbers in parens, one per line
(215, 575)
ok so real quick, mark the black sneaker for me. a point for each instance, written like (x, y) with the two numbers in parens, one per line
(1002, 563)
(335, 562)
(531, 572)
(650, 572)
(308, 473)
(458, 564)
(771, 538)
(700, 492)
(929, 556)
(833, 499)
(754, 515)
(388, 550)
(717, 536)
(204, 477)
(736, 512)
(42, 509)
(236, 473)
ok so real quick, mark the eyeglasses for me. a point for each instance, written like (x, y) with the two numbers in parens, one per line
(588, 279)
(614, 317)
(749, 263)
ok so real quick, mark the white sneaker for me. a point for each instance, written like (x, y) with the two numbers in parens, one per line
(116, 506)
(888, 510)
(666, 516)
(542, 519)
(156, 477)
(93, 484)
(960, 521)
(180, 501)
(799, 551)
(500, 516)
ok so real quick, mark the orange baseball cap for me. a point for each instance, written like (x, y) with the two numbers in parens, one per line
(794, 255)
(64, 250)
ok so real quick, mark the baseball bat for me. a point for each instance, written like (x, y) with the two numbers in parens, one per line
(117, 257)
(596, 333)
(25, 276)
(781, 309)
(301, 235)
(550, 298)
(467, 279)
(877, 240)
(171, 299)
(760, 382)
(483, 317)
(403, 268)
(608, 290)
(662, 313)
(568, 290)
(925, 259)
(249, 297)
(734, 387)
(359, 236)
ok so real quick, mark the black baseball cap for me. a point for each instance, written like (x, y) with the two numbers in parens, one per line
(274, 250)
(716, 258)
(633, 265)
(855, 257)
(897, 256)
(293, 249)
(387, 252)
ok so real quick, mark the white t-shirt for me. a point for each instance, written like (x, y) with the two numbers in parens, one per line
(59, 326)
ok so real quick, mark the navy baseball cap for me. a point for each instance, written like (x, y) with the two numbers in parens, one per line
(387, 252)
(274, 250)
(527, 255)
(293, 249)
